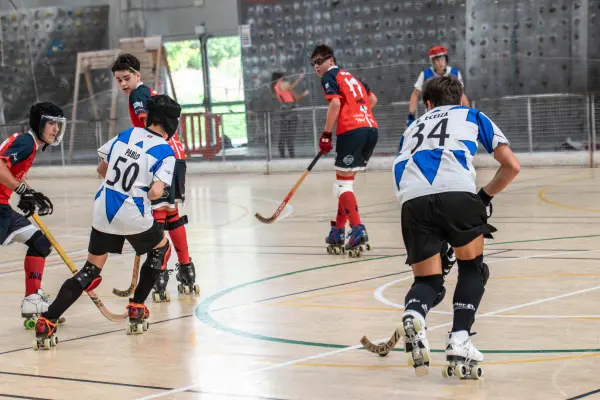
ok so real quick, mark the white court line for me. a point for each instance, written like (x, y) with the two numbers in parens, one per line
(346, 349)
(379, 291)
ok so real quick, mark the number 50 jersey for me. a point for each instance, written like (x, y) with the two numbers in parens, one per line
(136, 158)
(436, 152)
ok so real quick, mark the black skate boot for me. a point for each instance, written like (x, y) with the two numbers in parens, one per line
(138, 316)
(45, 334)
(160, 294)
(186, 276)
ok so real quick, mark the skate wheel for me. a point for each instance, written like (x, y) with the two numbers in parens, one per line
(337, 251)
(368, 247)
(54, 340)
(186, 290)
(447, 372)
(139, 329)
(29, 323)
(328, 249)
(36, 345)
(167, 296)
(47, 344)
(180, 288)
(145, 325)
(361, 248)
(460, 370)
(197, 289)
(156, 297)
(476, 373)
(128, 329)
(422, 370)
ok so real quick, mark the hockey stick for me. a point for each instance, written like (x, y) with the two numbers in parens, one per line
(110, 316)
(134, 279)
(290, 194)
(381, 349)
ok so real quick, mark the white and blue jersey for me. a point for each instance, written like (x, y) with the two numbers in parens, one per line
(136, 158)
(437, 150)
(429, 73)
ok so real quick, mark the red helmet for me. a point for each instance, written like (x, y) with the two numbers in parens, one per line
(437, 51)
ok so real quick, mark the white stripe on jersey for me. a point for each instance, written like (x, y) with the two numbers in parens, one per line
(436, 151)
(136, 158)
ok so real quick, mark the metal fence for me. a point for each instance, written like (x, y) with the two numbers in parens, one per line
(533, 124)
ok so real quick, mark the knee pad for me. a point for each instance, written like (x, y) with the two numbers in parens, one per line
(89, 277)
(39, 245)
(342, 186)
(158, 258)
(174, 221)
(440, 297)
(436, 282)
(475, 267)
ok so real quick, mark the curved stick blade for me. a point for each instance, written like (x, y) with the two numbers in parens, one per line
(134, 278)
(265, 220)
(384, 348)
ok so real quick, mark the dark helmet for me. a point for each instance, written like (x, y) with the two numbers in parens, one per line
(42, 113)
(165, 111)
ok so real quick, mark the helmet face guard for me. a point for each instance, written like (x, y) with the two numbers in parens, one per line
(52, 129)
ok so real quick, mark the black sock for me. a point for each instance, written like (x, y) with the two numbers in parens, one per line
(423, 293)
(69, 292)
(468, 293)
(148, 277)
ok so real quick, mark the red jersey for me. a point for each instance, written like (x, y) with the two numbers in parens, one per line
(354, 96)
(18, 151)
(137, 110)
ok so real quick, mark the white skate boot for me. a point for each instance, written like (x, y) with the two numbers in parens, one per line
(32, 306)
(462, 357)
(416, 346)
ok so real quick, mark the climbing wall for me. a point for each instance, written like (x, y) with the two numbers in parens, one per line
(38, 54)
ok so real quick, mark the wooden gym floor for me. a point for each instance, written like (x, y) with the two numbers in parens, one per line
(279, 318)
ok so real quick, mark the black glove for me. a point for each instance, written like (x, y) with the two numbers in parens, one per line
(30, 199)
(486, 199)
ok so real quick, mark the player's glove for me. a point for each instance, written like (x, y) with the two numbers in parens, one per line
(411, 119)
(486, 199)
(325, 143)
(30, 199)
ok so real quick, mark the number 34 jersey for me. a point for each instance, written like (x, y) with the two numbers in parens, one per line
(436, 152)
(136, 159)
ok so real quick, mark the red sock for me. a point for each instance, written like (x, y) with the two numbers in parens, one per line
(341, 219)
(34, 269)
(160, 216)
(348, 202)
(179, 238)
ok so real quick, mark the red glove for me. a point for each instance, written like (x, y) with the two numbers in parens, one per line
(325, 142)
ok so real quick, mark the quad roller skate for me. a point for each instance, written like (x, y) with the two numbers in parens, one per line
(462, 357)
(160, 294)
(416, 346)
(138, 318)
(33, 306)
(45, 334)
(357, 241)
(335, 240)
(186, 276)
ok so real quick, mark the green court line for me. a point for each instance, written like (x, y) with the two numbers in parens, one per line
(202, 311)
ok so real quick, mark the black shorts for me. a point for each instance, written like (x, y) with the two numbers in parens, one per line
(354, 149)
(102, 243)
(428, 221)
(14, 226)
(176, 190)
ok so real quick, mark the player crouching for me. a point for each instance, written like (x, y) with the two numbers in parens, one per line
(140, 166)
(435, 182)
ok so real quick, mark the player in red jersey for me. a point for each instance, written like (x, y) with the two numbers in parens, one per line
(165, 210)
(350, 104)
(47, 126)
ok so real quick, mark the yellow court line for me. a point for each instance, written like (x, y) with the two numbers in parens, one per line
(335, 306)
(363, 366)
(542, 197)
(325, 295)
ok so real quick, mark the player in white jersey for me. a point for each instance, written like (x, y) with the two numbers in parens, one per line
(435, 183)
(140, 167)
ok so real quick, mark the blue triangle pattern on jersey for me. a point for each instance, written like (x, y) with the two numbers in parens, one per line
(472, 146)
(99, 193)
(399, 171)
(139, 202)
(461, 158)
(114, 202)
(125, 136)
(428, 162)
(140, 144)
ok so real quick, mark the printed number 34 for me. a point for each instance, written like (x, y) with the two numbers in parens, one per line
(442, 136)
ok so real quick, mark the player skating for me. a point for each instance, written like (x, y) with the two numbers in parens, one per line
(46, 127)
(435, 182)
(350, 104)
(140, 167)
(165, 209)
